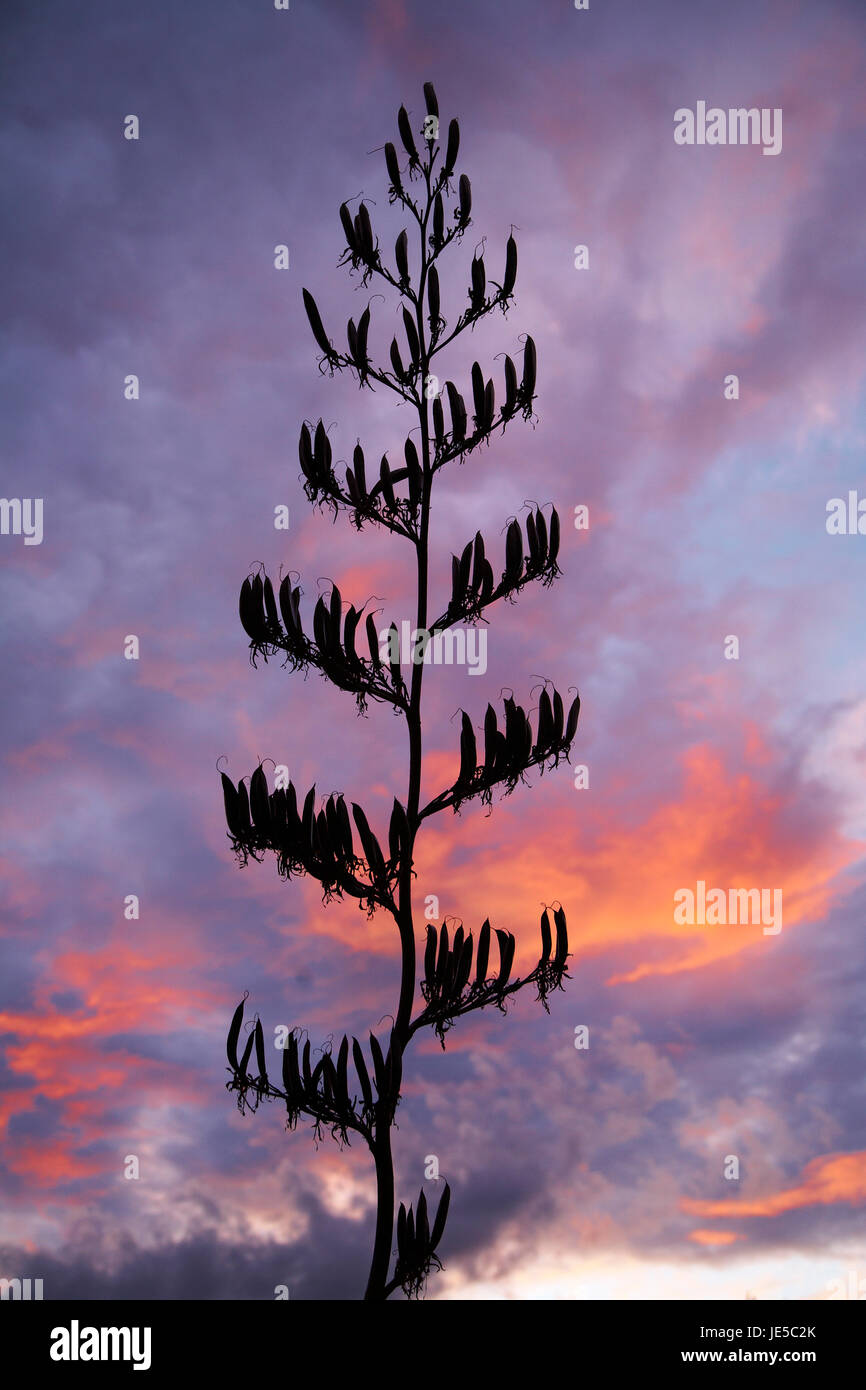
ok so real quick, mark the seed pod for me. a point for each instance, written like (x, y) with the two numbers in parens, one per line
(329, 1081)
(278, 804)
(438, 220)
(387, 486)
(364, 233)
(438, 422)
(558, 718)
(465, 194)
(489, 405)
(545, 724)
(442, 959)
(430, 99)
(234, 1034)
(553, 547)
(541, 533)
(458, 413)
(429, 959)
(348, 228)
(360, 475)
(316, 325)
(352, 489)
(477, 561)
(230, 800)
(510, 405)
(259, 801)
(305, 454)
(406, 136)
(396, 361)
(506, 956)
(510, 267)
(290, 608)
(336, 610)
(378, 1065)
(413, 469)
(456, 947)
(514, 727)
(451, 149)
(363, 330)
(468, 752)
(314, 1079)
(401, 256)
(349, 628)
(363, 1074)
(532, 541)
(441, 1217)
(345, 828)
(478, 393)
(483, 955)
(513, 552)
(343, 1075)
(561, 953)
(261, 1061)
(373, 642)
(322, 450)
(490, 731)
(293, 820)
(305, 1062)
(487, 582)
(398, 831)
(270, 606)
(529, 369)
(422, 1226)
(433, 295)
(334, 829)
(324, 844)
(571, 722)
(464, 967)
(393, 167)
(247, 1053)
(257, 602)
(479, 284)
(545, 938)
(291, 1075)
(321, 625)
(307, 816)
(412, 338)
(403, 1252)
(250, 619)
(243, 809)
(352, 339)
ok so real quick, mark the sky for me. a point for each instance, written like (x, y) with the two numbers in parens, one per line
(591, 1173)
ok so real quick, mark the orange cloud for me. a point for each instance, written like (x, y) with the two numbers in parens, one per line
(714, 1237)
(828, 1179)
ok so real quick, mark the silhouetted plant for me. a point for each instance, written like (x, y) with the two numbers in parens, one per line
(321, 840)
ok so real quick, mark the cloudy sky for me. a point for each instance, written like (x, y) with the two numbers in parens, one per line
(596, 1173)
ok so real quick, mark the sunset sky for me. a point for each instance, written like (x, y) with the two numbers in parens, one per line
(595, 1173)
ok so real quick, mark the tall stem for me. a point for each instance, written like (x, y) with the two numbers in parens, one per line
(382, 1153)
(378, 1277)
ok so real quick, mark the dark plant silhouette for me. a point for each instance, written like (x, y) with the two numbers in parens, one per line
(333, 844)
